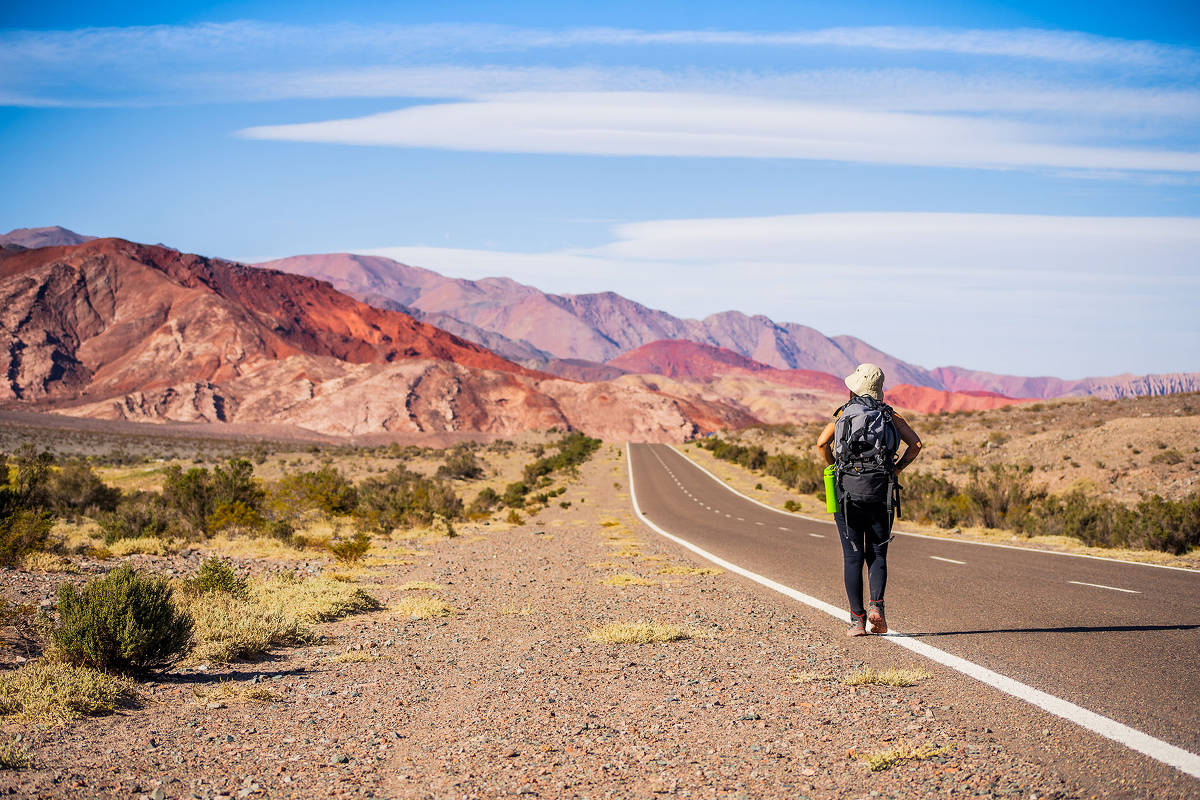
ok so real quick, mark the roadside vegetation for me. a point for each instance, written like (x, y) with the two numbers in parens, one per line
(989, 470)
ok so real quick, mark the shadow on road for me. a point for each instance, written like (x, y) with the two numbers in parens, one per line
(1067, 629)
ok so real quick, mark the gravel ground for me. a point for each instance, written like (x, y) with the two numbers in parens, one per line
(508, 696)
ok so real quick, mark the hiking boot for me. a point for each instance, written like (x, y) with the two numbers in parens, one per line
(858, 625)
(875, 617)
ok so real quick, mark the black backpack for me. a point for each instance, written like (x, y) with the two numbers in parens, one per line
(865, 441)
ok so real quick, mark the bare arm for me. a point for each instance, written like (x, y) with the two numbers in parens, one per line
(824, 442)
(910, 438)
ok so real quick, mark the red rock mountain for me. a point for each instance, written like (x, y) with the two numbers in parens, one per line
(114, 329)
(41, 237)
(534, 328)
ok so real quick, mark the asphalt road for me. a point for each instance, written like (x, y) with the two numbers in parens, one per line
(1122, 640)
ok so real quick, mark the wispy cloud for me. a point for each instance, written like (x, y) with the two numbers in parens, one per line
(722, 126)
(1054, 290)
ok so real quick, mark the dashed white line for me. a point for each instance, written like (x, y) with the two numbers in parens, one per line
(817, 535)
(1165, 752)
(741, 519)
(1102, 586)
(758, 523)
(783, 528)
(947, 560)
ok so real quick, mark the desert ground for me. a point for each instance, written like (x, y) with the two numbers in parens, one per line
(559, 649)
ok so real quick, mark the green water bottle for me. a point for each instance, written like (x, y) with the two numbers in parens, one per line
(831, 504)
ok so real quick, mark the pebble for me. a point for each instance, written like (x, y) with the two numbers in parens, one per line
(340, 758)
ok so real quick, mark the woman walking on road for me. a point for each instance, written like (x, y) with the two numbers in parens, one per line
(861, 443)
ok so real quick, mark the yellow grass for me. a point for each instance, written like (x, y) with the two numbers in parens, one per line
(638, 633)
(147, 545)
(355, 657)
(807, 676)
(422, 607)
(886, 677)
(230, 691)
(39, 561)
(679, 569)
(278, 612)
(625, 579)
(77, 538)
(262, 547)
(428, 586)
(609, 523)
(51, 692)
(603, 564)
(13, 755)
(886, 759)
(513, 611)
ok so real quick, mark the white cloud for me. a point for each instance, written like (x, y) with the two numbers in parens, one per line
(1035, 294)
(722, 126)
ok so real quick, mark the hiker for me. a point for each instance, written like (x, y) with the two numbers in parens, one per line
(861, 443)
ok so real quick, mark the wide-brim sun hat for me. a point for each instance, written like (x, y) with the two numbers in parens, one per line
(866, 381)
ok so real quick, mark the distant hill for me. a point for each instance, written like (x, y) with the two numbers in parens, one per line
(112, 329)
(537, 328)
(53, 236)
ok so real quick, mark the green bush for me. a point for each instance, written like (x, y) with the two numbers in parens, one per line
(352, 549)
(123, 622)
(75, 488)
(405, 499)
(484, 502)
(138, 515)
(197, 493)
(324, 490)
(217, 575)
(1002, 495)
(461, 464)
(236, 516)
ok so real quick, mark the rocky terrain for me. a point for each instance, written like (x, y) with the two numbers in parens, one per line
(514, 687)
(117, 330)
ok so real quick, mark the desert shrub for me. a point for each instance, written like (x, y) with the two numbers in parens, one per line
(1154, 523)
(217, 575)
(514, 494)
(1170, 457)
(124, 622)
(352, 549)
(573, 449)
(236, 516)
(197, 493)
(748, 457)
(405, 499)
(21, 532)
(1002, 495)
(24, 522)
(934, 499)
(484, 502)
(514, 518)
(76, 489)
(461, 464)
(140, 515)
(326, 490)
(804, 475)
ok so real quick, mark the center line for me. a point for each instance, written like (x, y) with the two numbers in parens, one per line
(1102, 586)
(817, 535)
(782, 528)
(758, 523)
(947, 560)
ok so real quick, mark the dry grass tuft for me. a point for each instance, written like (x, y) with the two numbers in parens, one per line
(355, 657)
(807, 676)
(237, 693)
(678, 569)
(278, 612)
(603, 564)
(886, 759)
(513, 611)
(886, 677)
(263, 547)
(51, 692)
(422, 607)
(428, 586)
(13, 755)
(609, 523)
(145, 545)
(638, 633)
(40, 561)
(625, 579)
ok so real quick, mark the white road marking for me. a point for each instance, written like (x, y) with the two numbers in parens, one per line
(827, 521)
(741, 519)
(817, 535)
(1102, 586)
(1132, 738)
(758, 523)
(783, 528)
(947, 560)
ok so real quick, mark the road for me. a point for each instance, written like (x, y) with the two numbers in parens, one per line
(1119, 639)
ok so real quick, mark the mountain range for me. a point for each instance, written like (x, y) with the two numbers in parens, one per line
(539, 329)
(347, 344)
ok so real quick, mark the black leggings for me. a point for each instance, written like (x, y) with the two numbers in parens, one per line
(863, 529)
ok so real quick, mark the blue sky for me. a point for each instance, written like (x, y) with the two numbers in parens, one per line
(1010, 187)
